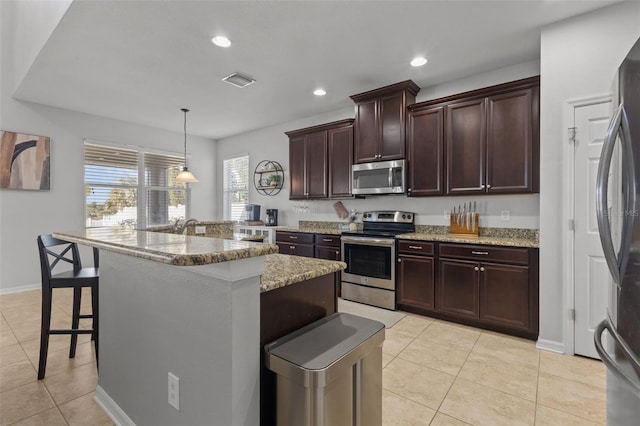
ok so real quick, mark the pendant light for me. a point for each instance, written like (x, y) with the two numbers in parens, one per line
(185, 175)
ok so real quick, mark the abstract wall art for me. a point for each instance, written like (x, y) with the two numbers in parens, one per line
(24, 161)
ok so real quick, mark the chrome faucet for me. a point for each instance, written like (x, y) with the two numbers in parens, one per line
(179, 227)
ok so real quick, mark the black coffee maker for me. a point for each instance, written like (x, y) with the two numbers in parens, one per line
(272, 217)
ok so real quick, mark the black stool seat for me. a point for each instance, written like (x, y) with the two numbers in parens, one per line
(52, 251)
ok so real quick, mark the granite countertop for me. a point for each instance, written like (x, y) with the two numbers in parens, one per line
(312, 230)
(174, 249)
(482, 240)
(282, 270)
(510, 237)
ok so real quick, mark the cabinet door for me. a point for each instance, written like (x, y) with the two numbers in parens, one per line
(504, 295)
(325, 252)
(340, 161)
(510, 142)
(415, 278)
(466, 151)
(425, 149)
(316, 164)
(297, 168)
(391, 113)
(367, 132)
(457, 291)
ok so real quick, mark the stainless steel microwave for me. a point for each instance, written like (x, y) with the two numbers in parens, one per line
(382, 177)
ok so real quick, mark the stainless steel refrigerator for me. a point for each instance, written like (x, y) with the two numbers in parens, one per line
(617, 338)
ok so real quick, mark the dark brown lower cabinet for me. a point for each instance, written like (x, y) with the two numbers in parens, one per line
(416, 275)
(295, 243)
(328, 246)
(504, 295)
(485, 286)
(458, 288)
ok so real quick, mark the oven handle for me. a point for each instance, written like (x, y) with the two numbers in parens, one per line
(369, 241)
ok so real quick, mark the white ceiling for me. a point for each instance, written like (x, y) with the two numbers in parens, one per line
(141, 61)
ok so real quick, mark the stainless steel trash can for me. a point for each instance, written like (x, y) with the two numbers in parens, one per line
(329, 373)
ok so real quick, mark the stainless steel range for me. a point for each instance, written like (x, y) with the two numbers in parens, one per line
(370, 255)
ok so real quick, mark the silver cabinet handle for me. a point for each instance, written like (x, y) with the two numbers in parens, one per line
(481, 269)
(416, 247)
(484, 253)
(292, 247)
(476, 269)
(481, 186)
(408, 189)
(293, 237)
(399, 260)
(611, 364)
(488, 186)
(327, 240)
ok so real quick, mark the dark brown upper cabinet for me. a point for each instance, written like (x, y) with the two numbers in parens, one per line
(380, 122)
(340, 161)
(481, 142)
(425, 151)
(320, 159)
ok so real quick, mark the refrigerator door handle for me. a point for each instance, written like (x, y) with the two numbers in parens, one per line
(629, 187)
(616, 264)
(611, 364)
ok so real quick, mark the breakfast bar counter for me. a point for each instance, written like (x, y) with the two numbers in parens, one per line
(200, 309)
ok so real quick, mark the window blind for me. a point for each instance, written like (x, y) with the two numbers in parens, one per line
(132, 187)
(235, 187)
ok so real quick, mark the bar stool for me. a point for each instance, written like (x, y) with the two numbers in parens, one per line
(76, 278)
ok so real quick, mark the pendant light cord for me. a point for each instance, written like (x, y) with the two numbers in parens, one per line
(185, 135)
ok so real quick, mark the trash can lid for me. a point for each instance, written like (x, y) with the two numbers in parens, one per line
(320, 344)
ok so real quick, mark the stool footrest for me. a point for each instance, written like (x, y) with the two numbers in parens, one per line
(72, 331)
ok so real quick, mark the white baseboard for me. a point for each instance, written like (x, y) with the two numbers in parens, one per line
(550, 345)
(112, 409)
(19, 289)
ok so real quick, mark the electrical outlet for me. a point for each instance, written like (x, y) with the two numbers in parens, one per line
(447, 213)
(505, 215)
(200, 230)
(174, 391)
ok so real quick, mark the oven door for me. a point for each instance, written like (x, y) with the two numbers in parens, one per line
(370, 261)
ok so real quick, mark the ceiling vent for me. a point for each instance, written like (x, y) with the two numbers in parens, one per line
(238, 80)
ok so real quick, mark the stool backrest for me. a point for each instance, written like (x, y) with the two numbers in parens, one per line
(65, 251)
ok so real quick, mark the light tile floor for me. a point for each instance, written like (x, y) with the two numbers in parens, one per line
(435, 373)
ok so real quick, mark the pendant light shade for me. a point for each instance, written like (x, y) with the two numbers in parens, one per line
(185, 175)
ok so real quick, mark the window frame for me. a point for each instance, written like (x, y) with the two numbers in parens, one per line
(226, 210)
(142, 189)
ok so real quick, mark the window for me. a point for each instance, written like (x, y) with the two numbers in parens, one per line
(132, 187)
(235, 187)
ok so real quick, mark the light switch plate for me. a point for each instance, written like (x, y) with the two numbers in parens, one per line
(505, 215)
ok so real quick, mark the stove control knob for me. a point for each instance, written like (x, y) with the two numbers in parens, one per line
(409, 216)
(404, 216)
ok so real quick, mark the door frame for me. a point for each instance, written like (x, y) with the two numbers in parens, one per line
(568, 213)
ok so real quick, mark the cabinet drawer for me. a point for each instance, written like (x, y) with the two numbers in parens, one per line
(328, 240)
(485, 253)
(295, 237)
(416, 247)
(295, 249)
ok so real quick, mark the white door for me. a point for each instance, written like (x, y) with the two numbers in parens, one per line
(591, 274)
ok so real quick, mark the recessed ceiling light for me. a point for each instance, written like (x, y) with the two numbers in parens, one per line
(221, 41)
(418, 61)
(319, 92)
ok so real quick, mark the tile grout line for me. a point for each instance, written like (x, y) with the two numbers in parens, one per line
(456, 377)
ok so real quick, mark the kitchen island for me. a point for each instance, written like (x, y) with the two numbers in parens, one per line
(198, 308)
